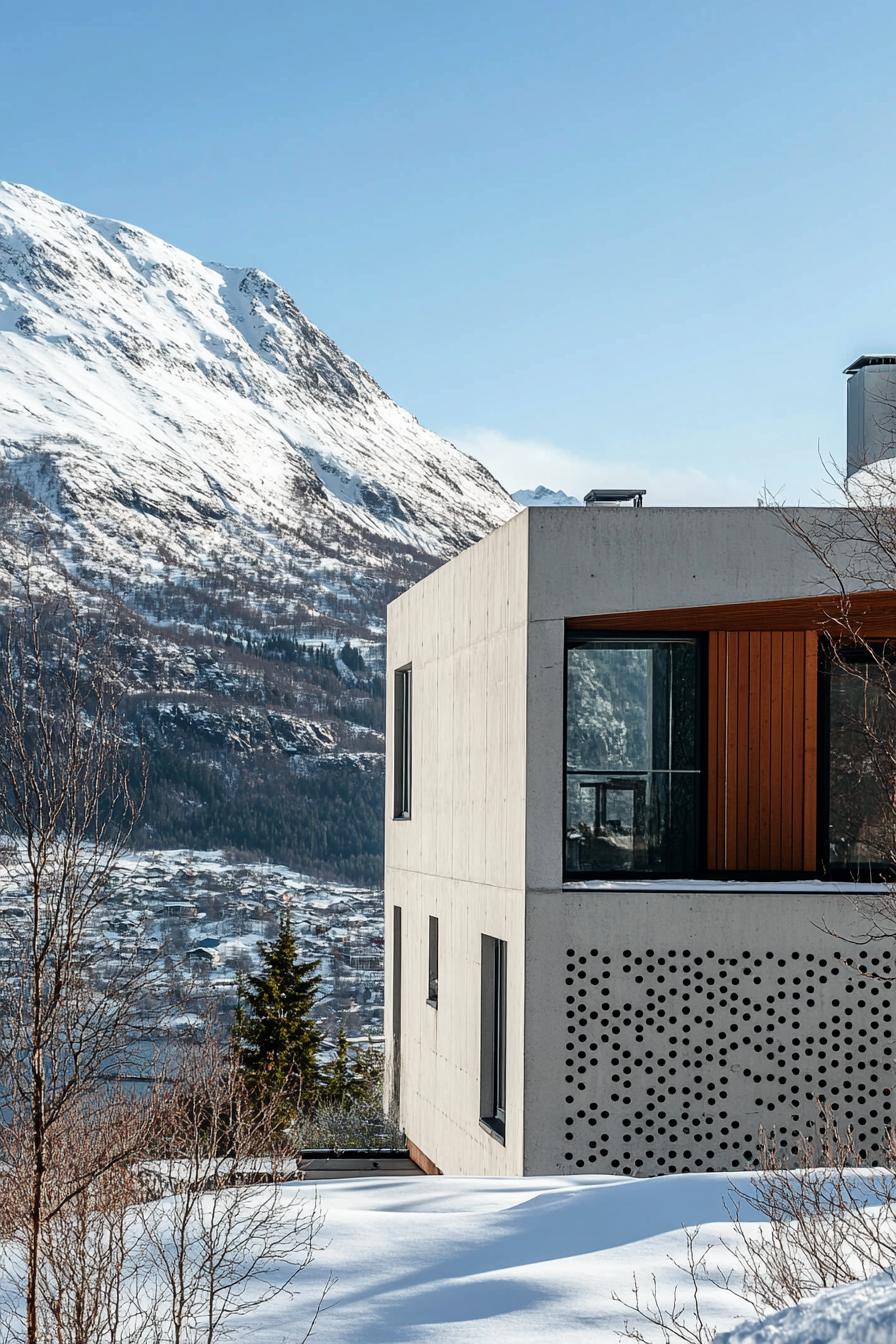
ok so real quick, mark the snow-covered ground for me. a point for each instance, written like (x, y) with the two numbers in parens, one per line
(858, 1313)
(524, 1260)
(448, 1259)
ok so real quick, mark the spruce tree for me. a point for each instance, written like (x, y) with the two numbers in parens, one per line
(276, 1034)
(342, 1084)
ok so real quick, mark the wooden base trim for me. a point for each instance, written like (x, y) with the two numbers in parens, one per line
(418, 1157)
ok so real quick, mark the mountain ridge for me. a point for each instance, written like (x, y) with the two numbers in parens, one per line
(544, 497)
(186, 437)
(151, 348)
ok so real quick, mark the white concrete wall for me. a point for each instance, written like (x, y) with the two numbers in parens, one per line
(583, 561)
(665, 1028)
(461, 855)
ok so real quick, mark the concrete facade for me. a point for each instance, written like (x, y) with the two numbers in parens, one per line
(650, 1026)
(460, 856)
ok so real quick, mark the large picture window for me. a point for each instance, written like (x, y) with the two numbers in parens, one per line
(633, 752)
(862, 761)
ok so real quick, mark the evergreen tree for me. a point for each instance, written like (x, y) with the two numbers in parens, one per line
(275, 1032)
(369, 1071)
(342, 1083)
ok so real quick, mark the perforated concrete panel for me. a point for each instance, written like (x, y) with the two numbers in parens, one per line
(678, 1052)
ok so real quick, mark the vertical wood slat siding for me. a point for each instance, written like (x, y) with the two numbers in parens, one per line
(776, 753)
(738, 810)
(797, 741)
(767, 761)
(712, 755)
(790, 849)
(761, 750)
(753, 756)
(724, 724)
(810, 794)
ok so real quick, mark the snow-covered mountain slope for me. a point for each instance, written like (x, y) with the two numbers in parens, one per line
(183, 434)
(184, 396)
(542, 497)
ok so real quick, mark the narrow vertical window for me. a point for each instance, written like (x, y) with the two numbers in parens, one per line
(402, 744)
(395, 1089)
(432, 979)
(493, 1041)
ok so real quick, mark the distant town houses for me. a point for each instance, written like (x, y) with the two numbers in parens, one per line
(199, 918)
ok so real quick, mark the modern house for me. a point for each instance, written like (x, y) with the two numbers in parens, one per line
(629, 815)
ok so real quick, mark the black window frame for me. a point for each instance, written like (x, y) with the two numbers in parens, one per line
(493, 1037)
(699, 638)
(402, 745)
(432, 965)
(837, 872)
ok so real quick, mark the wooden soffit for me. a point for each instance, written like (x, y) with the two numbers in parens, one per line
(870, 614)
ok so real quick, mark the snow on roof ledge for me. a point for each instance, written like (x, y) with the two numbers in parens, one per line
(737, 887)
(864, 360)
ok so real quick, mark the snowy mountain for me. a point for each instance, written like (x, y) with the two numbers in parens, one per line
(542, 497)
(186, 396)
(184, 435)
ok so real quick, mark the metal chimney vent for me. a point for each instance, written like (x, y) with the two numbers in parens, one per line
(870, 411)
(635, 497)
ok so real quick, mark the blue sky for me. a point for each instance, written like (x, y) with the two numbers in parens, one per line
(628, 243)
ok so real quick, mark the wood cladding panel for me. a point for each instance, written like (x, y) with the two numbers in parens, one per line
(870, 613)
(762, 704)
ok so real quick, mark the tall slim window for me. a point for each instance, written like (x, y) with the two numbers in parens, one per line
(493, 1041)
(861, 760)
(432, 978)
(395, 1101)
(633, 775)
(402, 741)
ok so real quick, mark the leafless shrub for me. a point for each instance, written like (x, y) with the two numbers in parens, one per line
(353, 1125)
(92, 1256)
(88, 1273)
(681, 1320)
(828, 1222)
(854, 547)
(91, 1268)
(217, 1249)
(825, 1223)
(69, 797)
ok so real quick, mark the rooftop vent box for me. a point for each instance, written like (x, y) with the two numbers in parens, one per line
(870, 411)
(635, 497)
